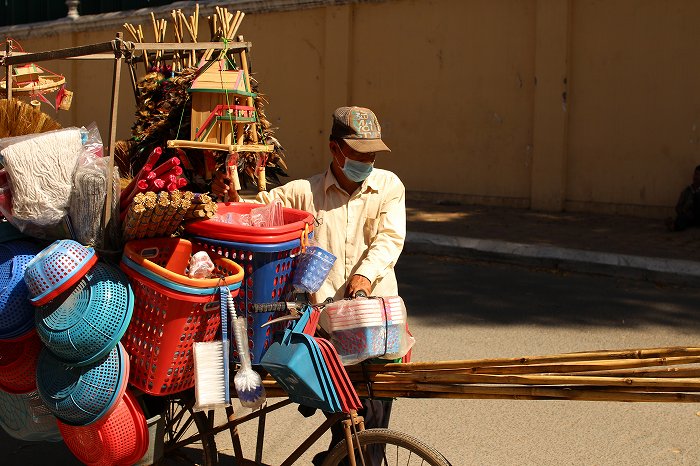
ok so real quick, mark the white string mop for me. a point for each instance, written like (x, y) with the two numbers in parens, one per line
(41, 169)
(86, 203)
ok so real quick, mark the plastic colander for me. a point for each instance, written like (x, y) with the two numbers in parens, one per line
(82, 395)
(18, 364)
(120, 438)
(25, 417)
(57, 268)
(85, 323)
(16, 312)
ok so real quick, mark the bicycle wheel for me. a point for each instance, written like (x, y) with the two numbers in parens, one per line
(182, 422)
(398, 449)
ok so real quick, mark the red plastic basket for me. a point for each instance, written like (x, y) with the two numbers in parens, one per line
(296, 223)
(164, 326)
(18, 363)
(119, 439)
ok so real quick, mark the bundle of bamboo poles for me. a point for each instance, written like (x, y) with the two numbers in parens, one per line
(159, 214)
(633, 375)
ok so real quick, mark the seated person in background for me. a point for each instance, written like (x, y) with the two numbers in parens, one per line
(688, 206)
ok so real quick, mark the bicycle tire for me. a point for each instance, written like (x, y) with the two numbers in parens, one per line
(179, 416)
(396, 445)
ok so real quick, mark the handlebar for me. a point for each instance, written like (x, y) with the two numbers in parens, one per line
(273, 307)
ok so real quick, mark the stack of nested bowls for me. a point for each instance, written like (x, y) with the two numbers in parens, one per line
(22, 413)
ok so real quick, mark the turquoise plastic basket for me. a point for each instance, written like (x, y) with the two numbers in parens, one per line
(82, 395)
(16, 312)
(25, 417)
(84, 324)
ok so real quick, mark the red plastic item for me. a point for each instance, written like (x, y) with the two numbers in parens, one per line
(121, 438)
(295, 223)
(163, 328)
(18, 363)
(68, 284)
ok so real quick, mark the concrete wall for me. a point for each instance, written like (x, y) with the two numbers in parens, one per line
(550, 104)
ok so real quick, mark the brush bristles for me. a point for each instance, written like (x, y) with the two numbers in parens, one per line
(209, 382)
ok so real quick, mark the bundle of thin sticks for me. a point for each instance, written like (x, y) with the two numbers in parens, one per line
(635, 375)
(151, 214)
(163, 177)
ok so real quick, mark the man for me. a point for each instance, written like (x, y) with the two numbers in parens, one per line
(361, 219)
(688, 206)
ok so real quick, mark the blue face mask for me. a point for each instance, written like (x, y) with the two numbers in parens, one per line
(356, 171)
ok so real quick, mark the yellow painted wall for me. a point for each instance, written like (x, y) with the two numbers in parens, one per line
(550, 104)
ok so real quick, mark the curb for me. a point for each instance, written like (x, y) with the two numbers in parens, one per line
(622, 265)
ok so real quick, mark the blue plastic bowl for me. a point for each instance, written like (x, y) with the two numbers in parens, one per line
(82, 395)
(16, 312)
(82, 325)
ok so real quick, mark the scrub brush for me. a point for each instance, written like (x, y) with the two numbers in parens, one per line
(211, 365)
(248, 383)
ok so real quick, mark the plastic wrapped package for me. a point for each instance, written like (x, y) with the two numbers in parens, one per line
(40, 168)
(313, 267)
(365, 328)
(200, 265)
(89, 189)
(270, 215)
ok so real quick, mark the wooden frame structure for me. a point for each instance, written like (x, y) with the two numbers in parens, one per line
(117, 51)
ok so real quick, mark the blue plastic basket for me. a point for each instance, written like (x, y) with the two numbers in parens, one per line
(83, 324)
(268, 276)
(25, 417)
(82, 395)
(16, 312)
(314, 266)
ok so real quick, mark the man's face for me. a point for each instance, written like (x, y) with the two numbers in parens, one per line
(364, 157)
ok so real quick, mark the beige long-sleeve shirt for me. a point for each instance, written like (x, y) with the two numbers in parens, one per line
(365, 230)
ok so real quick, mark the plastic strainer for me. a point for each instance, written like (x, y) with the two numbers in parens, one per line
(16, 312)
(18, 364)
(82, 395)
(82, 325)
(25, 417)
(120, 438)
(57, 268)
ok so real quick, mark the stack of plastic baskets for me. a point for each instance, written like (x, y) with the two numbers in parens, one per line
(268, 255)
(16, 312)
(120, 438)
(171, 311)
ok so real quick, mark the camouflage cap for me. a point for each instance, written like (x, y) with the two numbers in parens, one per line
(359, 128)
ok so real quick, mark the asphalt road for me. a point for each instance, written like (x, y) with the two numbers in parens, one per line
(465, 310)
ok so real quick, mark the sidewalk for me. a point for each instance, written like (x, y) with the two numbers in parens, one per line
(597, 243)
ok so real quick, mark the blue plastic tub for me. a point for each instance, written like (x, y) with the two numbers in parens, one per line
(16, 312)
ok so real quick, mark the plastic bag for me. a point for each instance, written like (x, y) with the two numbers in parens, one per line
(40, 169)
(200, 265)
(89, 189)
(313, 266)
(365, 328)
(271, 215)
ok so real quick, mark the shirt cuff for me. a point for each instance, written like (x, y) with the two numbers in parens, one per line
(368, 271)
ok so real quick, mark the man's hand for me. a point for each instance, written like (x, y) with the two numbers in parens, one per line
(220, 185)
(358, 283)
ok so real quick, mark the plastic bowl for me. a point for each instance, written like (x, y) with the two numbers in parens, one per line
(18, 364)
(85, 323)
(16, 312)
(295, 223)
(120, 438)
(82, 395)
(25, 417)
(57, 268)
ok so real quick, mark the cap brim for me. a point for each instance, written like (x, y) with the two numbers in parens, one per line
(367, 145)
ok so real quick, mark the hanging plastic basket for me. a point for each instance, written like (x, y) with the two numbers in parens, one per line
(82, 395)
(120, 438)
(56, 269)
(25, 417)
(84, 324)
(18, 364)
(16, 312)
